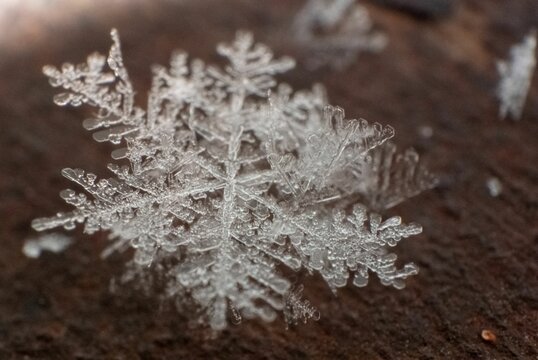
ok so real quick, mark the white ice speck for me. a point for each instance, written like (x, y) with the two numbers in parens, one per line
(494, 185)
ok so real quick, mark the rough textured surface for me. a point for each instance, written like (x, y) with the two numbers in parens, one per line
(477, 254)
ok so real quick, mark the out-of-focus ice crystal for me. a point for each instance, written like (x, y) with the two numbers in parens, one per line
(495, 187)
(516, 75)
(335, 31)
(53, 242)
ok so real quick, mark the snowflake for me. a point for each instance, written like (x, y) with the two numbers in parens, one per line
(228, 178)
(335, 31)
(516, 76)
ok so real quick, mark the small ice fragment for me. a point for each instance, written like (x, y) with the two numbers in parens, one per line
(494, 185)
(54, 242)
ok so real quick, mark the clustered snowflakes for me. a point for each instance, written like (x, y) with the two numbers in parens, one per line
(231, 178)
(516, 76)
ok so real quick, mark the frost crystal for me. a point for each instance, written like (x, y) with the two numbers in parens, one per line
(335, 31)
(297, 309)
(516, 76)
(53, 242)
(228, 178)
(495, 186)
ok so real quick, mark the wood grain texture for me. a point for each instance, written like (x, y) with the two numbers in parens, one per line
(478, 254)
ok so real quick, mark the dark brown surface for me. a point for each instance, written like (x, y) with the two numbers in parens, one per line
(478, 254)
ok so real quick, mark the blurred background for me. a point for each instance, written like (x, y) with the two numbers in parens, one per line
(433, 80)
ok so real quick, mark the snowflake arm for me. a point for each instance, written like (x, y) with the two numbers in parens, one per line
(387, 177)
(329, 152)
(111, 93)
(251, 67)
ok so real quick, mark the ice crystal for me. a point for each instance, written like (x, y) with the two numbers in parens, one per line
(391, 177)
(53, 242)
(335, 31)
(228, 178)
(516, 76)
(494, 186)
(297, 309)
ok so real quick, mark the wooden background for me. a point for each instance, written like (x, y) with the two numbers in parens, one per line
(478, 254)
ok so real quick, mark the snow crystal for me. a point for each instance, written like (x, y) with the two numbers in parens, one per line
(235, 176)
